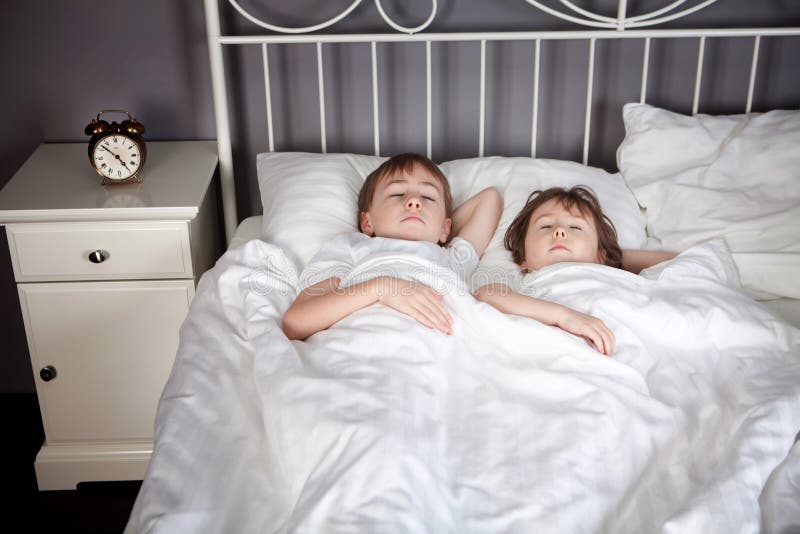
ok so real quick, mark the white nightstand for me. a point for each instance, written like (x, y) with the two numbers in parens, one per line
(105, 276)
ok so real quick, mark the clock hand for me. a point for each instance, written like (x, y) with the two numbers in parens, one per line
(115, 155)
(107, 150)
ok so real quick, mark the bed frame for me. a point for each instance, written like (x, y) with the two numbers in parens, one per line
(599, 27)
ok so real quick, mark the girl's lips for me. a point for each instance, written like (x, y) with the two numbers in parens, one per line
(558, 247)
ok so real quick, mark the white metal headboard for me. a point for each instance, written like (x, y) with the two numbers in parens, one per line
(619, 27)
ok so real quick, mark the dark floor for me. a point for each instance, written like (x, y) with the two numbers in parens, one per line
(94, 508)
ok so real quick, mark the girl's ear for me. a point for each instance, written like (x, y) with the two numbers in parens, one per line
(601, 256)
(446, 226)
(524, 267)
(365, 223)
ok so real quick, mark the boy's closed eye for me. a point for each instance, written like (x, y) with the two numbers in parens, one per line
(424, 197)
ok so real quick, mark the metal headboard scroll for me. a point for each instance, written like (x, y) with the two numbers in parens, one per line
(621, 22)
(337, 18)
(584, 17)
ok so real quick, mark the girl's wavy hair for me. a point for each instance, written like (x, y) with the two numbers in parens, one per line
(577, 197)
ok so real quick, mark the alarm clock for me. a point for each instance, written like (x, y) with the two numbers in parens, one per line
(117, 151)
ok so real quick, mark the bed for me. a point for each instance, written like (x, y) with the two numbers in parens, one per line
(381, 425)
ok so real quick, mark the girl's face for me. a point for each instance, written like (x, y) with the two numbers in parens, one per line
(556, 234)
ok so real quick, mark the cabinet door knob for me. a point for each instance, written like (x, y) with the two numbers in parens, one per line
(48, 373)
(98, 256)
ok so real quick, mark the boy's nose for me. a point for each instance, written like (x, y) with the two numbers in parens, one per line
(413, 203)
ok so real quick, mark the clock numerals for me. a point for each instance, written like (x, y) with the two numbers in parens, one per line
(117, 157)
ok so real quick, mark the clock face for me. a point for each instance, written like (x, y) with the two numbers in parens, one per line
(117, 157)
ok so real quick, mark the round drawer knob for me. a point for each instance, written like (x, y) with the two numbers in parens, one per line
(98, 256)
(48, 373)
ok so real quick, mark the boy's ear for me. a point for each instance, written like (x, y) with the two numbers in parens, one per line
(446, 226)
(365, 223)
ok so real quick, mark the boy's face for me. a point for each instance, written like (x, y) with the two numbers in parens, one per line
(556, 234)
(408, 206)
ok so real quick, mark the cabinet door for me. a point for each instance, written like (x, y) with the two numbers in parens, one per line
(112, 345)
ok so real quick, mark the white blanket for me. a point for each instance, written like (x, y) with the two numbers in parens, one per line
(379, 424)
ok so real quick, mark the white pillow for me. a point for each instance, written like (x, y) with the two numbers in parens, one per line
(516, 179)
(736, 177)
(309, 198)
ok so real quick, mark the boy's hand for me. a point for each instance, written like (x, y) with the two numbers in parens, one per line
(415, 300)
(588, 327)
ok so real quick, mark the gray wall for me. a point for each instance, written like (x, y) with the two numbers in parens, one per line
(62, 62)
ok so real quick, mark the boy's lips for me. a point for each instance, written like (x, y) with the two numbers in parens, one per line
(412, 218)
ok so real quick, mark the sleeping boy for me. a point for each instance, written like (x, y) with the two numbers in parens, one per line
(404, 206)
(564, 225)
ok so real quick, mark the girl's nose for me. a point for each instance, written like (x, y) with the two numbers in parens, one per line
(559, 233)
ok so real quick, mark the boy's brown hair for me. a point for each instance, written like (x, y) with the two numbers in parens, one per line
(404, 163)
(577, 197)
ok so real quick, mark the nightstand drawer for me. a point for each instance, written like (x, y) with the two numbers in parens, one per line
(99, 251)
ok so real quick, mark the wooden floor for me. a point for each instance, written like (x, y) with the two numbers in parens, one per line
(94, 508)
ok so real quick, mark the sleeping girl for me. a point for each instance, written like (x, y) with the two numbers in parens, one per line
(405, 206)
(564, 225)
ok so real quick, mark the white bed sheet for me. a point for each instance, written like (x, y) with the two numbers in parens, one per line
(379, 424)
(248, 229)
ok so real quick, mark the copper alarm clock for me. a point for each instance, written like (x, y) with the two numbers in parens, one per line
(117, 151)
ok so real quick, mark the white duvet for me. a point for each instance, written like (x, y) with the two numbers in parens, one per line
(381, 425)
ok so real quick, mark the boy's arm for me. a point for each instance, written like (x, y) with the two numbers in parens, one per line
(476, 219)
(506, 300)
(636, 261)
(319, 306)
